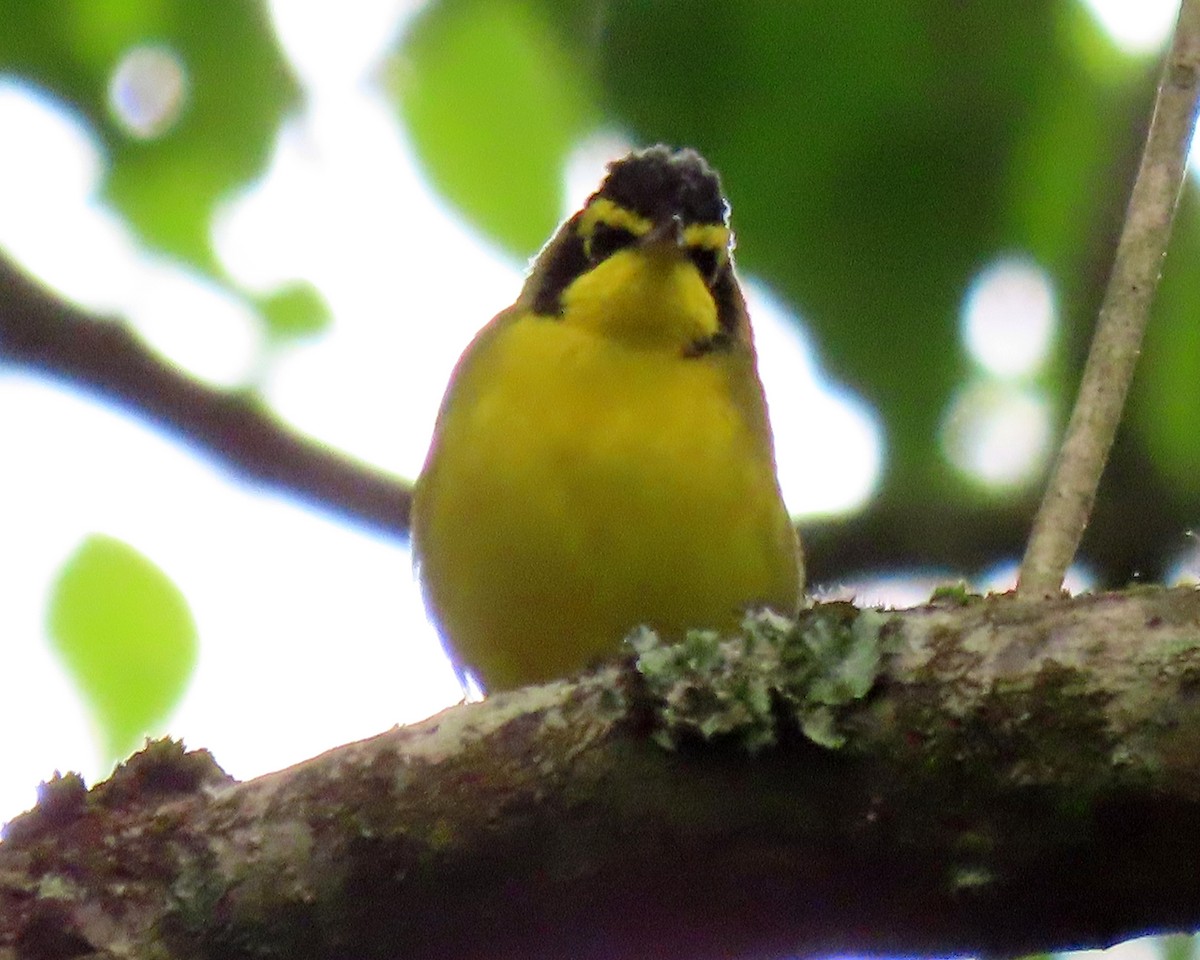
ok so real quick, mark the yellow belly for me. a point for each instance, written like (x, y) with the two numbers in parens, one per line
(579, 487)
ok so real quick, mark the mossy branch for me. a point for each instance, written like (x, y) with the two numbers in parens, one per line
(1071, 492)
(1016, 777)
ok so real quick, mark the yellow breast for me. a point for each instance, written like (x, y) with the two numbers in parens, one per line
(581, 484)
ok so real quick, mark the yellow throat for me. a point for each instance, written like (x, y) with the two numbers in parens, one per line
(602, 458)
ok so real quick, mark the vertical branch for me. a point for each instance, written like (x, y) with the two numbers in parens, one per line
(1071, 492)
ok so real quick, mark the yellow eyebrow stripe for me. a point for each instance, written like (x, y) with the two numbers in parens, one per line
(603, 210)
(710, 236)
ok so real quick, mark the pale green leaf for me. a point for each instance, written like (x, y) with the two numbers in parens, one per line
(126, 636)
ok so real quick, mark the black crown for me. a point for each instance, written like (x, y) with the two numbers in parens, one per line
(660, 182)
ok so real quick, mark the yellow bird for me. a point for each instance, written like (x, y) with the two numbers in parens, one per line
(602, 457)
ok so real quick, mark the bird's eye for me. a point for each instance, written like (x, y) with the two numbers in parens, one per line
(606, 240)
(706, 260)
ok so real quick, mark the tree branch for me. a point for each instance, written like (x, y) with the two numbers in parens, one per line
(1064, 512)
(1018, 777)
(43, 332)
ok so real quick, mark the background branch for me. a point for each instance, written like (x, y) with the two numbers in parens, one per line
(43, 332)
(1133, 526)
(1071, 492)
(1020, 777)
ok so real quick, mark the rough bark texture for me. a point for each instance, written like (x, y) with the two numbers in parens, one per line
(1019, 776)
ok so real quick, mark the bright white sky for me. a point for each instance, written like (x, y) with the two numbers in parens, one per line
(312, 633)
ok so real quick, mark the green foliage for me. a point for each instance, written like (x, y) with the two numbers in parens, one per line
(875, 163)
(125, 634)
(1179, 946)
(1166, 393)
(876, 158)
(237, 87)
(956, 594)
(297, 310)
(864, 158)
(494, 101)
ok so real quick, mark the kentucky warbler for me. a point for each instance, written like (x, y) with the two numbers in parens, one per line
(602, 457)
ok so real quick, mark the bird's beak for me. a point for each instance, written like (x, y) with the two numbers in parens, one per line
(665, 233)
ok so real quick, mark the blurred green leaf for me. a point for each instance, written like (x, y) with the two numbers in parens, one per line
(297, 310)
(1179, 946)
(875, 162)
(867, 159)
(493, 102)
(126, 636)
(877, 158)
(235, 90)
(1165, 397)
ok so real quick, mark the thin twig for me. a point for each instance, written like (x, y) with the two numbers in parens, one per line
(1067, 504)
(43, 332)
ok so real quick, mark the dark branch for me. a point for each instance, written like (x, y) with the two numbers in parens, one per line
(1021, 777)
(1133, 527)
(42, 332)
